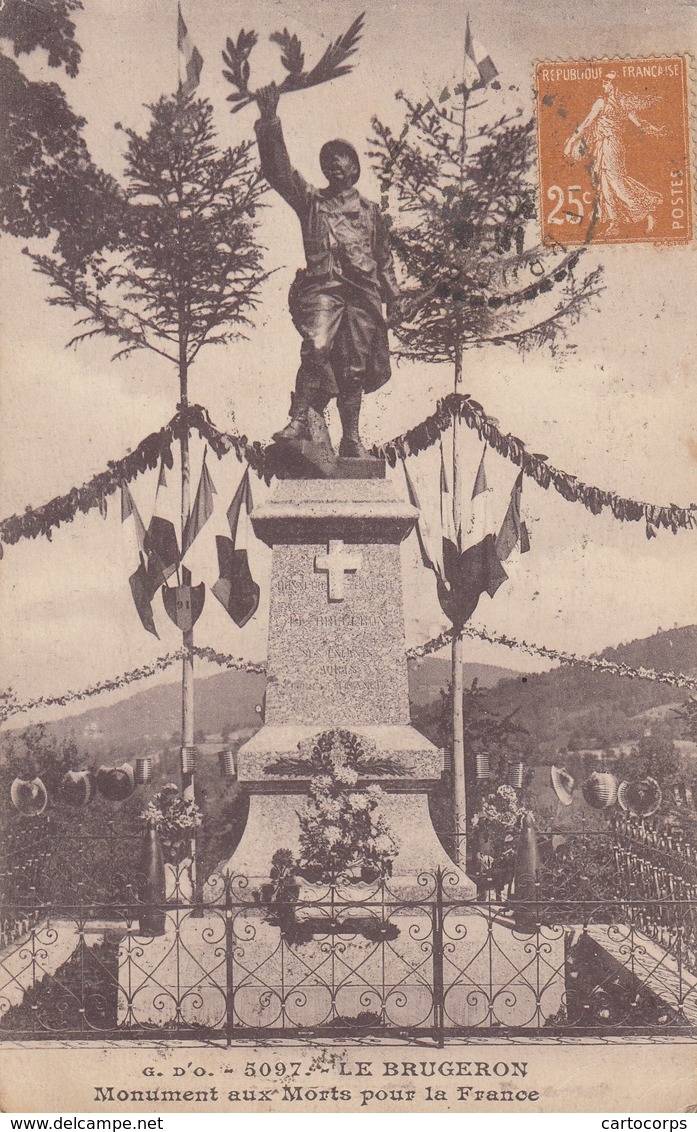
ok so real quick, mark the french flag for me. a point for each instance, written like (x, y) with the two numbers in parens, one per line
(236, 589)
(480, 68)
(472, 566)
(190, 58)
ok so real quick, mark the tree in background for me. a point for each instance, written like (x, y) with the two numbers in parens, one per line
(688, 715)
(34, 753)
(656, 755)
(48, 181)
(488, 731)
(485, 731)
(461, 211)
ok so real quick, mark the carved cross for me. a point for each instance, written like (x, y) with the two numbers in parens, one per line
(336, 564)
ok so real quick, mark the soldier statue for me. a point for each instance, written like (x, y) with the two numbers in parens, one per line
(336, 301)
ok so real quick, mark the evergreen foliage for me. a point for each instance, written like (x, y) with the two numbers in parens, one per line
(185, 267)
(48, 181)
(461, 210)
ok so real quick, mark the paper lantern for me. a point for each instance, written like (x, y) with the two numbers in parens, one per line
(514, 774)
(29, 796)
(600, 790)
(116, 783)
(226, 759)
(563, 784)
(483, 769)
(143, 773)
(641, 798)
(78, 787)
(188, 760)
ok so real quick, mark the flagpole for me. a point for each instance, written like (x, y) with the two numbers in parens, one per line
(180, 77)
(187, 729)
(458, 660)
(187, 714)
(465, 99)
(458, 647)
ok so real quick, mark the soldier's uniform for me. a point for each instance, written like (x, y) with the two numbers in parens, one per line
(336, 301)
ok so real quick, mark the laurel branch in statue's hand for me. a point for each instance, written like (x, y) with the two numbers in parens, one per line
(332, 65)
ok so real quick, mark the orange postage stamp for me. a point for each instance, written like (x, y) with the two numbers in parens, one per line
(614, 151)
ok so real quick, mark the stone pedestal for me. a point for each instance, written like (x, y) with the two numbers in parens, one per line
(336, 659)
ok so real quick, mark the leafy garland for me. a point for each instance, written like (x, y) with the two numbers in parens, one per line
(154, 448)
(157, 446)
(224, 660)
(595, 663)
(594, 499)
(317, 753)
(10, 706)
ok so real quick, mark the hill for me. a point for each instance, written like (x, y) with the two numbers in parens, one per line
(565, 707)
(428, 676)
(579, 708)
(149, 720)
(224, 704)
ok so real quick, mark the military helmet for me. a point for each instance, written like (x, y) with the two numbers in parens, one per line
(343, 146)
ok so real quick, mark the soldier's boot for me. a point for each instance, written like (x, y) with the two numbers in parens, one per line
(296, 429)
(318, 431)
(307, 422)
(349, 406)
(298, 426)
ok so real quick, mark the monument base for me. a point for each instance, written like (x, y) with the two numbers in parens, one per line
(419, 855)
(415, 758)
(266, 763)
(303, 460)
(337, 663)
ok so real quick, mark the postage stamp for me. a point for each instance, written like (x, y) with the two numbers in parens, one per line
(614, 151)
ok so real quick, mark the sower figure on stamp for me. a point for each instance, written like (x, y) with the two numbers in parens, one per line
(337, 301)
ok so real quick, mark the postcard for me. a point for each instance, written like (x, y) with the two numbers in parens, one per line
(348, 758)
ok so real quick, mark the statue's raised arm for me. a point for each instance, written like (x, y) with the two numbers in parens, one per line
(336, 300)
(275, 162)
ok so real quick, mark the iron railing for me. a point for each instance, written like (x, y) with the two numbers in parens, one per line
(40, 865)
(408, 959)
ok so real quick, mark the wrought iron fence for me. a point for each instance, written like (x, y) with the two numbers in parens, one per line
(40, 862)
(410, 959)
(40, 866)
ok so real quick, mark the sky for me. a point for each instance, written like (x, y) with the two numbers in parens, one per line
(618, 413)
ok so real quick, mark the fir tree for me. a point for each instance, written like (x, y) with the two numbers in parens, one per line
(178, 268)
(185, 269)
(461, 210)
